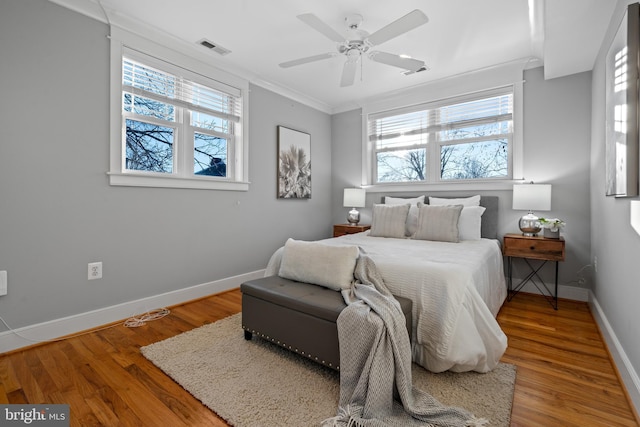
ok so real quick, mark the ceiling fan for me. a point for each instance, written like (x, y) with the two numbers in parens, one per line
(359, 42)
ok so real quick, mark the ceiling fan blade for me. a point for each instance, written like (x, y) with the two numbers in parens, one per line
(396, 61)
(307, 59)
(400, 26)
(314, 22)
(348, 73)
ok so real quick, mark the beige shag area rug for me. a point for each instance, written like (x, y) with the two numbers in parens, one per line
(256, 383)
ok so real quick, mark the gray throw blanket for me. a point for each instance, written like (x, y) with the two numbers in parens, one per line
(376, 387)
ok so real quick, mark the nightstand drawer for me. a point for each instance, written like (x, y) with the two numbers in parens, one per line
(342, 229)
(519, 246)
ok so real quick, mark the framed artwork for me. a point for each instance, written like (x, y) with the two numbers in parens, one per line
(294, 164)
(622, 132)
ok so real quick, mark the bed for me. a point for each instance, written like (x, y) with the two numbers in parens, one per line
(457, 288)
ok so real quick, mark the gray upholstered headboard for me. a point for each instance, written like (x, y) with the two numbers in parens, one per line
(489, 226)
(489, 217)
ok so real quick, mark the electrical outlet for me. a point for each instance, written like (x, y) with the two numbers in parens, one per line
(3, 282)
(95, 270)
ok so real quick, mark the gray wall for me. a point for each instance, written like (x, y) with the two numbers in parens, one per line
(556, 147)
(346, 162)
(614, 242)
(57, 211)
(557, 118)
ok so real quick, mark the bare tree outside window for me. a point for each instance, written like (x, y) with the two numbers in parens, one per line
(401, 166)
(210, 150)
(149, 147)
(210, 155)
(474, 160)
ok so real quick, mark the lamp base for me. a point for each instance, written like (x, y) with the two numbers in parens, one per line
(353, 216)
(530, 225)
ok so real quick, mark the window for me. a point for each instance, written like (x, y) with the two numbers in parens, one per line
(177, 126)
(456, 140)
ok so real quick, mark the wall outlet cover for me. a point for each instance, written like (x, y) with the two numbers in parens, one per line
(94, 270)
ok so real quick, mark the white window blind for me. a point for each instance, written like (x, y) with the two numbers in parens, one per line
(143, 80)
(430, 118)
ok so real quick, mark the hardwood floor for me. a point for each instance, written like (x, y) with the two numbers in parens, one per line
(565, 374)
(565, 377)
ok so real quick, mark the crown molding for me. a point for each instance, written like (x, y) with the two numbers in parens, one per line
(95, 10)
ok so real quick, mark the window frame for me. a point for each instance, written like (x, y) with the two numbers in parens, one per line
(443, 92)
(124, 43)
(432, 143)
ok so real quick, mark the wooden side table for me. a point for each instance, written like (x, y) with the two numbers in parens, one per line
(533, 248)
(342, 229)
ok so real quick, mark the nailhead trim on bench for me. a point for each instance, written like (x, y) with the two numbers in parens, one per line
(309, 356)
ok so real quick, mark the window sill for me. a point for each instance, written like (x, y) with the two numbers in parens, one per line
(130, 180)
(442, 186)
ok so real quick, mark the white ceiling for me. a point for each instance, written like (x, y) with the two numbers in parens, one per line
(461, 36)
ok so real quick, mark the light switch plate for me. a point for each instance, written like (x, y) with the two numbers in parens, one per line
(3, 282)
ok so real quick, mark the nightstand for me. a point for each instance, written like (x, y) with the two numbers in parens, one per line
(342, 229)
(533, 248)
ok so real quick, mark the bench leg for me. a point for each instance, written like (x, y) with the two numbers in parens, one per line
(247, 335)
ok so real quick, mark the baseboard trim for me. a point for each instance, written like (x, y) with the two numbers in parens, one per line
(53, 329)
(627, 373)
(564, 291)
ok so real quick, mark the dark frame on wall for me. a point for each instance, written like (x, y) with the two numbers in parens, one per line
(622, 124)
(294, 164)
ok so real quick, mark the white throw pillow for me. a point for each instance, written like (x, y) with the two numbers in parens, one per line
(470, 222)
(389, 220)
(438, 223)
(464, 201)
(319, 263)
(412, 217)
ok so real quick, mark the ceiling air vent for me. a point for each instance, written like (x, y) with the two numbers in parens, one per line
(214, 47)
(419, 70)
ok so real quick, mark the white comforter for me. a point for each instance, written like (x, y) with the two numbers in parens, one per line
(456, 289)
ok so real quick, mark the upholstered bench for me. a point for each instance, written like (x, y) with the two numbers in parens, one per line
(298, 316)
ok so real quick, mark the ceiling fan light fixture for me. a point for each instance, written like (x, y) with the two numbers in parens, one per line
(353, 54)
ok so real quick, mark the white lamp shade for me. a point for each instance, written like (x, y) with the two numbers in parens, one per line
(532, 197)
(354, 197)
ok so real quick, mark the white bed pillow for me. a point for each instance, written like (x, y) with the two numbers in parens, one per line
(470, 222)
(389, 220)
(412, 217)
(464, 201)
(439, 223)
(319, 264)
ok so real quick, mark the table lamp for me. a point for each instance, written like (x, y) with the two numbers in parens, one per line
(354, 198)
(531, 197)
